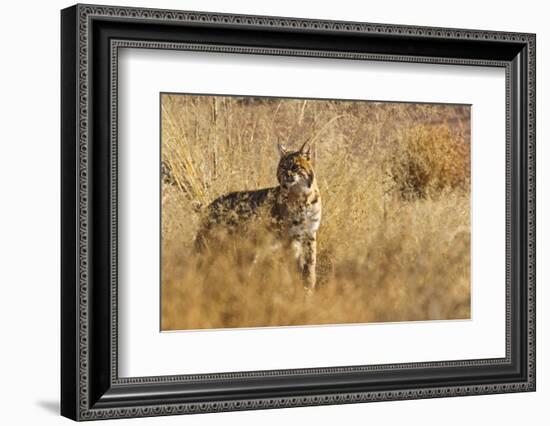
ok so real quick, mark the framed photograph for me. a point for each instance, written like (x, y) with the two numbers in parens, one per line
(263, 212)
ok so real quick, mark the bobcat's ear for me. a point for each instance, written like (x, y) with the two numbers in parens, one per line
(282, 150)
(305, 150)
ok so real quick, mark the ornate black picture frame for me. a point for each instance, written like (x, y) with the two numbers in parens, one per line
(91, 387)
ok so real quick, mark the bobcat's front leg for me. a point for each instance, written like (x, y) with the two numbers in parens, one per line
(310, 262)
(305, 251)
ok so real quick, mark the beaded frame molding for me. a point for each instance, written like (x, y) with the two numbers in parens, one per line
(91, 38)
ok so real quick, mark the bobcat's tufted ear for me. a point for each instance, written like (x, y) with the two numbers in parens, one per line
(282, 150)
(305, 150)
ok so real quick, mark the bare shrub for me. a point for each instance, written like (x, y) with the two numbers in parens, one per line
(429, 159)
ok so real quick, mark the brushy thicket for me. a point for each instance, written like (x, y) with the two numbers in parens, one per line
(394, 241)
(429, 159)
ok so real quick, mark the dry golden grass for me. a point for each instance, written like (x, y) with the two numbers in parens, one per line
(394, 242)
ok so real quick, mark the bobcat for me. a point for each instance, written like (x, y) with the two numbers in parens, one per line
(293, 209)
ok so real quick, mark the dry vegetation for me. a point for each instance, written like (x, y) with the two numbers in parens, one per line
(394, 242)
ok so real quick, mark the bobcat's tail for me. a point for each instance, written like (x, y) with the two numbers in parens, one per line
(197, 206)
(201, 239)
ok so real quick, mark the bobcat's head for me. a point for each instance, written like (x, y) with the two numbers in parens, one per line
(295, 171)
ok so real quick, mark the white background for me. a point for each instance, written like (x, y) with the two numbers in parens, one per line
(146, 352)
(29, 225)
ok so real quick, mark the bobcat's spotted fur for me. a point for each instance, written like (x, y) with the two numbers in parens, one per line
(293, 209)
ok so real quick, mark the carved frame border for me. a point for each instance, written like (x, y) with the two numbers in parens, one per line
(85, 14)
